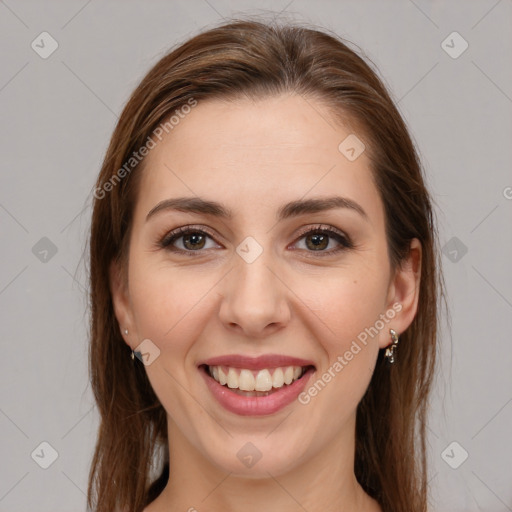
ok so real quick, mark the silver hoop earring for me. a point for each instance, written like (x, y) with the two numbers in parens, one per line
(391, 350)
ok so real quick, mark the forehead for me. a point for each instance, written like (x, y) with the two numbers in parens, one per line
(251, 154)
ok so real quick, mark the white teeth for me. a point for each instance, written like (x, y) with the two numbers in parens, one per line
(278, 378)
(223, 379)
(263, 381)
(288, 375)
(232, 378)
(246, 381)
(249, 380)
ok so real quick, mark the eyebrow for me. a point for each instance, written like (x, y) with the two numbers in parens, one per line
(288, 210)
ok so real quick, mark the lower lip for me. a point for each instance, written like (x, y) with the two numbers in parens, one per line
(256, 405)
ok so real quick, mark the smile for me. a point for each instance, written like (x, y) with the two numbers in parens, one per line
(260, 381)
(255, 391)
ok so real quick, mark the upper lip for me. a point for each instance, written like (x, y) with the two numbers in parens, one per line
(256, 363)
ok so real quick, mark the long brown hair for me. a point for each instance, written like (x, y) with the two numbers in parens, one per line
(251, 58)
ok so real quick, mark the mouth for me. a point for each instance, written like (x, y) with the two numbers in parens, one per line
(246, 382)
(264, 391)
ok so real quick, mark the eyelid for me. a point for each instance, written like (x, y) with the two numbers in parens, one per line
(343, 239)
(177, 233)
(324, 228)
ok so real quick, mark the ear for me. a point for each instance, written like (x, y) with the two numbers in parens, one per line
(403, 294)
(121, 301)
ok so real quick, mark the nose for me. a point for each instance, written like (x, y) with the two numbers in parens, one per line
(254, 298)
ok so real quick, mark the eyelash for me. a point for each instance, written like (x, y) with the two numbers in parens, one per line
(170, 238)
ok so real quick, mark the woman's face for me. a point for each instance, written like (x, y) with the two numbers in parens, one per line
(260, 289)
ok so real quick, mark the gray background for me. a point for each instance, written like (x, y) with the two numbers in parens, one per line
(57, 116)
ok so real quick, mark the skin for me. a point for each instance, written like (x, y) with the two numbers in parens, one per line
(253, 157)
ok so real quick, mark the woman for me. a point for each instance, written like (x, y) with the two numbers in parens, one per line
(262, 240)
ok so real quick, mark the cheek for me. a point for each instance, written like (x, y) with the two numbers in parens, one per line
(345, 331)
(165, 301)
(168, 306)
(345, 304)
(346, 313)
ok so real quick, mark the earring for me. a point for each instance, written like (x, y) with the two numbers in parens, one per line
(390, 351)
(133, 353)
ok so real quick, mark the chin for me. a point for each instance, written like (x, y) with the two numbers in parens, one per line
(256, 458)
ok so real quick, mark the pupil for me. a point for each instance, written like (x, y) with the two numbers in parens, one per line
(194, 239)
(319, 241)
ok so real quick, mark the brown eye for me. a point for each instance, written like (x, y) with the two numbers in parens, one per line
(187, 240)
(320, 238)
(317, 241)
(194, 241)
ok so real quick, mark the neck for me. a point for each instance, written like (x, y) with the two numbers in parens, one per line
(324, 482)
